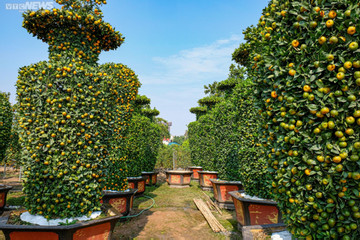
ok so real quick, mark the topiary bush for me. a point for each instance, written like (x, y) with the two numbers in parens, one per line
(142, 139)
(305, 61)
(123, 85)
(63, 114)
(202, 144)
(6, 118)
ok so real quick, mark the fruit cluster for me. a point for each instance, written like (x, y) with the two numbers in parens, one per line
(304, 58)
(65, 110)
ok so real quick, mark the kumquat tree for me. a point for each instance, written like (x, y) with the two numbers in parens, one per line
(67, 123)
(304, 59)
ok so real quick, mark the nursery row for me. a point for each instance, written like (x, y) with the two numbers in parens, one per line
(294, 133)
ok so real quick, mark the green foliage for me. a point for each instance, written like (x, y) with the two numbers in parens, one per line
(209, 101)
(13, 151)
(64, 119)
(6, 118)
(150, 113)
(179, 139)
(225, 139)
(179, 153)
(123, 91)
(164, 129)
(304, 59)
(199, 111)
(210, 89)
(141, 145)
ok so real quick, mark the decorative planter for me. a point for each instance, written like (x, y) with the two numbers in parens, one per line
(221, 192)
(137, 183)
(180, 179)
(93, 229)
(195, 175)
(121, 201)
(4, 189)
(204, 179)
(151, 177)
(253, 215)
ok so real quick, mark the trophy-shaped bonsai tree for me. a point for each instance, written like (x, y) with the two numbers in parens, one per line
(64, 115)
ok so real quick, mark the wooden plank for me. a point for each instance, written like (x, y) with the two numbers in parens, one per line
(212, 221)
(214, 204)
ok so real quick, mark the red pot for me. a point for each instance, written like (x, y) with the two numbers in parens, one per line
(195, 169)
(138, 183)
(4, 189)
(221, 192)
(121, 201)
(151, 177)
(177, 178)
(204, 179)
(255, 212)
(94, 229)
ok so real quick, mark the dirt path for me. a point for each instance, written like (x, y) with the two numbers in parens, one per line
(174, 216)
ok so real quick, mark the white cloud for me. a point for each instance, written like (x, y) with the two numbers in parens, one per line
(176, 82)
(193, 65)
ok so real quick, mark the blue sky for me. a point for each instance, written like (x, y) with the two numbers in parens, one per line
(174, 46)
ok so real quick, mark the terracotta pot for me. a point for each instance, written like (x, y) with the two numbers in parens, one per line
(93, 229)
(177, 178)
(204, 179)
(121, 201)
(137, 183)
(221, 192)
(195, 169)
(4, 189)
(255, 212)
(151, 177)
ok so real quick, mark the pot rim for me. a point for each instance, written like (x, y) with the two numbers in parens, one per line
(129, 191)
(212, 172)
(81, 224)
(136, 178)
(153, 172)
(5, 187)
(195, 167)
(179, 172)
(219, 181)
(234, 194)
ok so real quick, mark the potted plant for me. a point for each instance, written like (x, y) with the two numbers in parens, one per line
(310, 122)
(64, 122)
(178, 178)
(195, 170)
(141, 145)
(123, 89)
(201, 142)
(154, 142)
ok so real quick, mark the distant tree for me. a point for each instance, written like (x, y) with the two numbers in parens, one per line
(179, 139)
(163, 127)
(6, 119)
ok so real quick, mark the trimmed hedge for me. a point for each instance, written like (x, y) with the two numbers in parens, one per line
(142, 139)
(225, 139)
